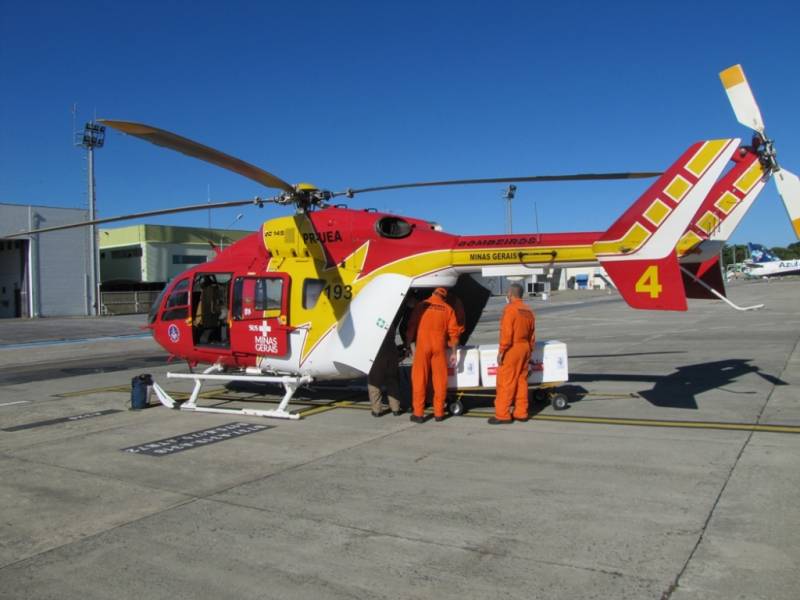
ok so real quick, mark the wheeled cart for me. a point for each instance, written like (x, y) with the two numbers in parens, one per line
(476, 372)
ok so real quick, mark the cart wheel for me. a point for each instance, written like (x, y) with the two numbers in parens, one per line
(456, 408)
(558, 401)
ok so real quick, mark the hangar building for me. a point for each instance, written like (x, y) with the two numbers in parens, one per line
(147, 256)
(44, 275)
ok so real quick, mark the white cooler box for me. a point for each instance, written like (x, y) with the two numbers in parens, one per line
(548, 364)
(467, 372)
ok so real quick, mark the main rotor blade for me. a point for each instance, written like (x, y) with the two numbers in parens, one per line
(160, 137)
(741, 98)
(788, 186)
(165, 211)
(535, 178)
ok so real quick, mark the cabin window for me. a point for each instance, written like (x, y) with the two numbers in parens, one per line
(256, 297)
(393, 227)
(188, 259)
(312, 290)
(178, 302)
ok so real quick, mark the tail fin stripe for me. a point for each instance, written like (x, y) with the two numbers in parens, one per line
(727, 202)
(678, 188)
(657, 212)
(724, 207)
(706, 156)
(750, 177)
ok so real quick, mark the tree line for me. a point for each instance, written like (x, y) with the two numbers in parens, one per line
(737, 253)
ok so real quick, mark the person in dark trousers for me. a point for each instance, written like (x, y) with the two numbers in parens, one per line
(384, 373)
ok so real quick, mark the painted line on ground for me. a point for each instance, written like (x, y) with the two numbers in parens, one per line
(108, 338)
(657, 423)
(76, 394)
(17, 402)
(318, 408)
(70, 419)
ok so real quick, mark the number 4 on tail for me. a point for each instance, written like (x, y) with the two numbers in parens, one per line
(648, 282)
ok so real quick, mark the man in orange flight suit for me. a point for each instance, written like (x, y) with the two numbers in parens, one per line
(517, 340)
(458, 309)
(432, 328)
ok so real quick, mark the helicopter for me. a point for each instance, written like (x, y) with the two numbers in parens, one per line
(312, 295)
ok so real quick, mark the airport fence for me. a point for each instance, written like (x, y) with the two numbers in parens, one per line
(128, 303)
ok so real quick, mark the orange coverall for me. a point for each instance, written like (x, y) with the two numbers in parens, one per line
(458, 308)
(437, 329)
(517, 340)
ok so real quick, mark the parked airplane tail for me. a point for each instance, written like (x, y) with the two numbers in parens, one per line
(639, 250)
(760, 254)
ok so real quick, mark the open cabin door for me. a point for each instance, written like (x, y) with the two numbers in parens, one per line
(210, 309)
(260, 315)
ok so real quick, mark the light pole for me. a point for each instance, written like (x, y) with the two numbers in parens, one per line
(509, 196)
(222, 238)
(93, 137)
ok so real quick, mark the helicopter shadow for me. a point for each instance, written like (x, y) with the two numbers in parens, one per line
(680, 389)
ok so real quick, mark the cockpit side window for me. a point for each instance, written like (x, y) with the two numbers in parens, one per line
(177, 306)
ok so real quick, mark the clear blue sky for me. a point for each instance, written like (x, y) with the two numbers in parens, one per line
(352, 94)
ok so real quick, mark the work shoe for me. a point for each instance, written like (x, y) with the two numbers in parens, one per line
(523, 419)
(376, 414)
(496, 421)
(397, 413)
(438, 419)
(416, 419)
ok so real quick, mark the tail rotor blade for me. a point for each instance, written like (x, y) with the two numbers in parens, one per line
(788, 185)
(741, 98)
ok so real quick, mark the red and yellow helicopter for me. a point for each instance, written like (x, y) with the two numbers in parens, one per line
(311, 295)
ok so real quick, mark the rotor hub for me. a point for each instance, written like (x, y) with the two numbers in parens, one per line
(765, 148)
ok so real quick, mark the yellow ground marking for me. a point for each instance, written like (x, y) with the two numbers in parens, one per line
(676, 424)
(677, 188)
(727, 202)
(749, 178)
(632, 240)
(352, 404)
(706, 155)
(657, 212)
(689, 240)
(708, 222)
(329, 407)
(732, 76)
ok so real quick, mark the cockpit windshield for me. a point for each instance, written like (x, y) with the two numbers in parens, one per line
(153, 314)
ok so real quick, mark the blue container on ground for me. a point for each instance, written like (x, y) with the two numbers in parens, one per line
(139, 391)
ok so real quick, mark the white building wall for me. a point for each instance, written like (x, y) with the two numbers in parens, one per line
(57, 261)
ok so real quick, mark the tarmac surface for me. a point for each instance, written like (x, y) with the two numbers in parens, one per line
(673, 474)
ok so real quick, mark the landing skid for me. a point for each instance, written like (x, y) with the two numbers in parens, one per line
(290, 385)
(720, 296)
